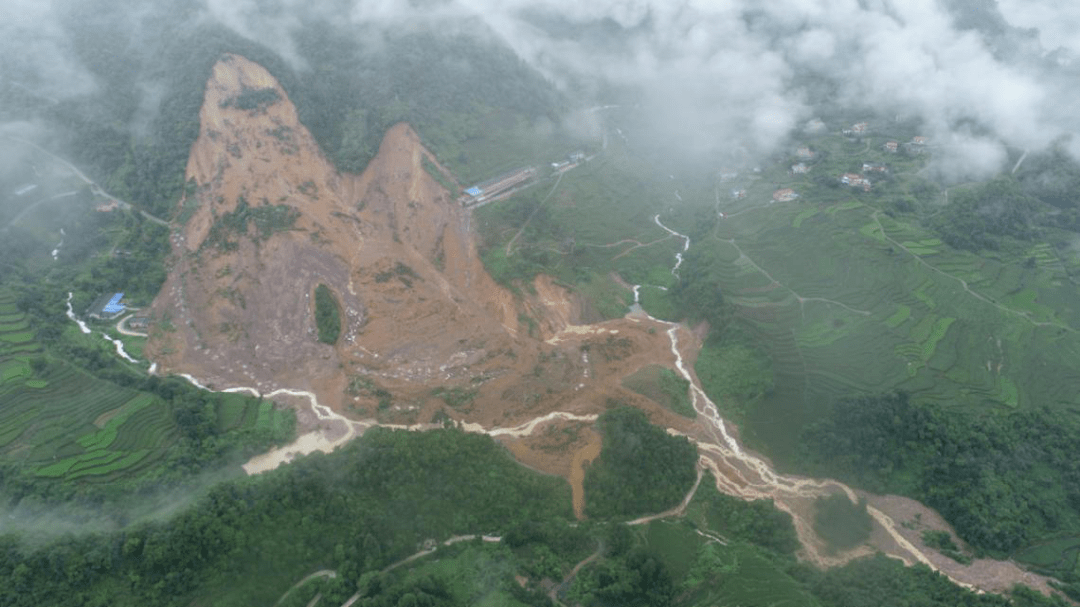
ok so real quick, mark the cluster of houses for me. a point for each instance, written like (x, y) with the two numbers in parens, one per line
(856, 180)
(804, 154)
(784, 195)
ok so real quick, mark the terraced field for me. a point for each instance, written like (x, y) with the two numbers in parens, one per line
(847, 299)
(63, 423)
(738, 573)
(69, 424)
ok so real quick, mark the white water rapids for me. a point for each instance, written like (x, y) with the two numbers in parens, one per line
(71, 314)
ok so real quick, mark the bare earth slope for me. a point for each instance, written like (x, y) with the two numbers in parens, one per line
(427, 334)
(390, 244)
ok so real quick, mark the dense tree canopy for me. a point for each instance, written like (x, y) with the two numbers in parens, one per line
(641, 468)
(377, 500)
(1002, 480)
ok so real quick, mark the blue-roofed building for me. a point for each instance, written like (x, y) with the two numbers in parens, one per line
(107, 307)
(114, 306)
(474, 191)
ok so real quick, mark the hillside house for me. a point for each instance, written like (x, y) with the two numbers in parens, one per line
(919, 140)
(804, 153)
(855, 181)
(138, 323)
(891, 146)
(872, 167)
(107, 307)
(800, 169)
(737, 194)
(857, 130)
(815, 125)
(784, 195)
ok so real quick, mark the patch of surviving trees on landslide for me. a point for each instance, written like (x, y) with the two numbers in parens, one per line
(327, 315)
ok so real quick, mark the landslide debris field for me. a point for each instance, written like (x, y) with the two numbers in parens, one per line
(427, 336)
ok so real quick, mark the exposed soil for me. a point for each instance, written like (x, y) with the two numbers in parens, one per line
(426, 332)
(986, 574)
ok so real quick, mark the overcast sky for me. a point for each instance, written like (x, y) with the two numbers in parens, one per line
(711, 71)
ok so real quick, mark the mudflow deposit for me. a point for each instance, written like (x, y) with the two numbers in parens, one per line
(426, 333)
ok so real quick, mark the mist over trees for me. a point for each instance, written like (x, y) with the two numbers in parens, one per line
(707, 84)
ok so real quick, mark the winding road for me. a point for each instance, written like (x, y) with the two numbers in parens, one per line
(96, 189)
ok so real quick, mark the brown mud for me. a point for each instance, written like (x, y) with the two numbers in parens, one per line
(422, 321)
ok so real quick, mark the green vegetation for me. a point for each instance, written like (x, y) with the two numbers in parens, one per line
(842, 524)
(436, 174)
(365, 387)
(980, 217)
(253, 99)
(641, 469)
(942, 542)
(369, 505)
(457, 397)
(879, 580)
(758, 522)
(664, 387)
(266, 219)
(637, 580)
(1002, 480)
(402, 272)
(379, 499)
(327, 315)
(839, 293)
(78, 422)
(735, 376)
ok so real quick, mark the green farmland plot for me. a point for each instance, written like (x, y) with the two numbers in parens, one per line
(70, 421)
(709, 573)
(1056, 557)
(850, 300)
(59, 422)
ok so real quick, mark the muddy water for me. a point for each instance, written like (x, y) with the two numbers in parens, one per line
(745, 474)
